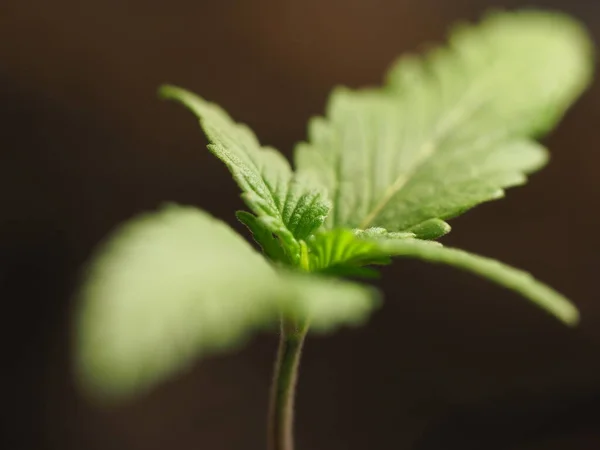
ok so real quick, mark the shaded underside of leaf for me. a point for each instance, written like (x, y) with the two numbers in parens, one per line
(263, 236)
(344, 251)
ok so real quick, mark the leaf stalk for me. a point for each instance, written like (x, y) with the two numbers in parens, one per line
(280, 432)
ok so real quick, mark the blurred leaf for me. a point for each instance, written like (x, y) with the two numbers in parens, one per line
(177, 284)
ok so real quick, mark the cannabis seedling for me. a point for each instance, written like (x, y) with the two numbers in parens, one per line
(377, 178)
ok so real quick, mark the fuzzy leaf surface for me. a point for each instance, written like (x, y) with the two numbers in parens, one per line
(451, 129)
(288, 205)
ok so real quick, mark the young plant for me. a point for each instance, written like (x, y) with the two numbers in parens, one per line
(378, 177)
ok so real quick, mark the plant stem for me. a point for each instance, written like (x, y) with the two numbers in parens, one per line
(281, 409)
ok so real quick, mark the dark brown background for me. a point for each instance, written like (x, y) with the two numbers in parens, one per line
(454, 363)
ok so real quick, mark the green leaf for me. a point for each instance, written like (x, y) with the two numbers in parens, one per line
(430, 229)
(451, 129)
(288, 205)
(343, 251)
(340, 250)
(269, 244)
(326, 303)
(509, 277)
(177, 284)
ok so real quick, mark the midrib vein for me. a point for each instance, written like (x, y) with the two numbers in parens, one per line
(462, 110)
(398, 184)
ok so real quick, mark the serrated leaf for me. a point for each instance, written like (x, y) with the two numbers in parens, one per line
(452, 129)
(290, 206)
(177, 284)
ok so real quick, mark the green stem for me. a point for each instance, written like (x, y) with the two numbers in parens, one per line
(281, 408)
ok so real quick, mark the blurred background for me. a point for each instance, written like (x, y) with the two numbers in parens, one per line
(455, 363)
